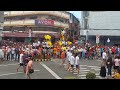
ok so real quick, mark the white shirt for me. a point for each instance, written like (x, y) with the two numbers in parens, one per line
(77, 60)
(8, 50)
(116, 62)
(39, 42)
(81, 49)
(1, 53)
(69, 56)
(72, 60)
(13, 50)
(63, 42)
(104, 55)
(21, 59)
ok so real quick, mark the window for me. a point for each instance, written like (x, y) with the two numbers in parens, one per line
(33, 17)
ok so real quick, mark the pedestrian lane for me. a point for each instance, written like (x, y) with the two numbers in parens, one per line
(85, 69)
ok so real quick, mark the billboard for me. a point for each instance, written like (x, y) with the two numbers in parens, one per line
(44, 22)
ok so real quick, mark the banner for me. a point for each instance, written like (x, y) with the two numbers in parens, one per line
(44, 22)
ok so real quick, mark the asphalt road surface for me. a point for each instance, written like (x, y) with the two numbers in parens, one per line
(43, 70)
(49, 70)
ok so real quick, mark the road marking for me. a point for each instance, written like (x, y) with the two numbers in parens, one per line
(85, 70)
(82, 68)
(97, 74)
(94, 66)
(14, 73)
(9, 64)
(75, 73)
(96, 69)
(83, 65)
(52, 72)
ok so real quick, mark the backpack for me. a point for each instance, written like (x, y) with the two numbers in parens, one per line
(17, 50)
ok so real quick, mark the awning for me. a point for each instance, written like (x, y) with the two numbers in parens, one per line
(18, 34)
(53, 35)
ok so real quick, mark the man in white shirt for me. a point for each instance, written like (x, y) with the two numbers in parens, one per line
(104, 57)
(20, 61)
(77, 63)
(68, 58)
(72, 62)
(8, 52)
(1, 54)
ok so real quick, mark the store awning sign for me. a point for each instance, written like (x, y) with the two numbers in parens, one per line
(44, 22)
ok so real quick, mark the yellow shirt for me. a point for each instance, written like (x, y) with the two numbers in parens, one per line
(117, 76)
(64, 48)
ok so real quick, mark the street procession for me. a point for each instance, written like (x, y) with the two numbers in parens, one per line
(35, 54)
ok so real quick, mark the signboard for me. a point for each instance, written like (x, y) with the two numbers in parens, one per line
(97, 38)
(44, 22)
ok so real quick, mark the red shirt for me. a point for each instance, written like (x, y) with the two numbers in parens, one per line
(63, 55)
(113, 50)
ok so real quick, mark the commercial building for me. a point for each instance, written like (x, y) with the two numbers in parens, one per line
(22, 25)
(74, 31)
(1, 23)
(105, 24)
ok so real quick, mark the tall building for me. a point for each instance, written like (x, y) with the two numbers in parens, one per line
(74, 28)
(20, 25)
(1, 23)
(105, 24)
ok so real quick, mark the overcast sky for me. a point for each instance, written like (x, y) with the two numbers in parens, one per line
(77, 14)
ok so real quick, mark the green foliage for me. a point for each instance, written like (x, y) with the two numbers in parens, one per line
(90, 75)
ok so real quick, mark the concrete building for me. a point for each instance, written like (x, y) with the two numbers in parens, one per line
(20, 25)
(74, 29)
(106, 24)
(1, 23)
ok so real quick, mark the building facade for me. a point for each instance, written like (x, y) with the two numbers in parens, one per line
(20, 25)
(74, 31)
(105, 24)
(1, 23)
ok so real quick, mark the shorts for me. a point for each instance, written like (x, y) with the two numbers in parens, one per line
(21, 64)
(72, 66)
(77, 66)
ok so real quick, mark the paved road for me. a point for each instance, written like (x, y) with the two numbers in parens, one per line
(87, 66)
(49, 70)
(44, 70)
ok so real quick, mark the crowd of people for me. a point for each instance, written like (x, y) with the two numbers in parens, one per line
(72, 53)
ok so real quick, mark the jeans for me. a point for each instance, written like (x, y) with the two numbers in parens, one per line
(12, 56)
(83, 55)
(109, 71)
(17, 56)
(8, 56)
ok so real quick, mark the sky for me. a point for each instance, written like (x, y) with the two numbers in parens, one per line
(77, 14)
